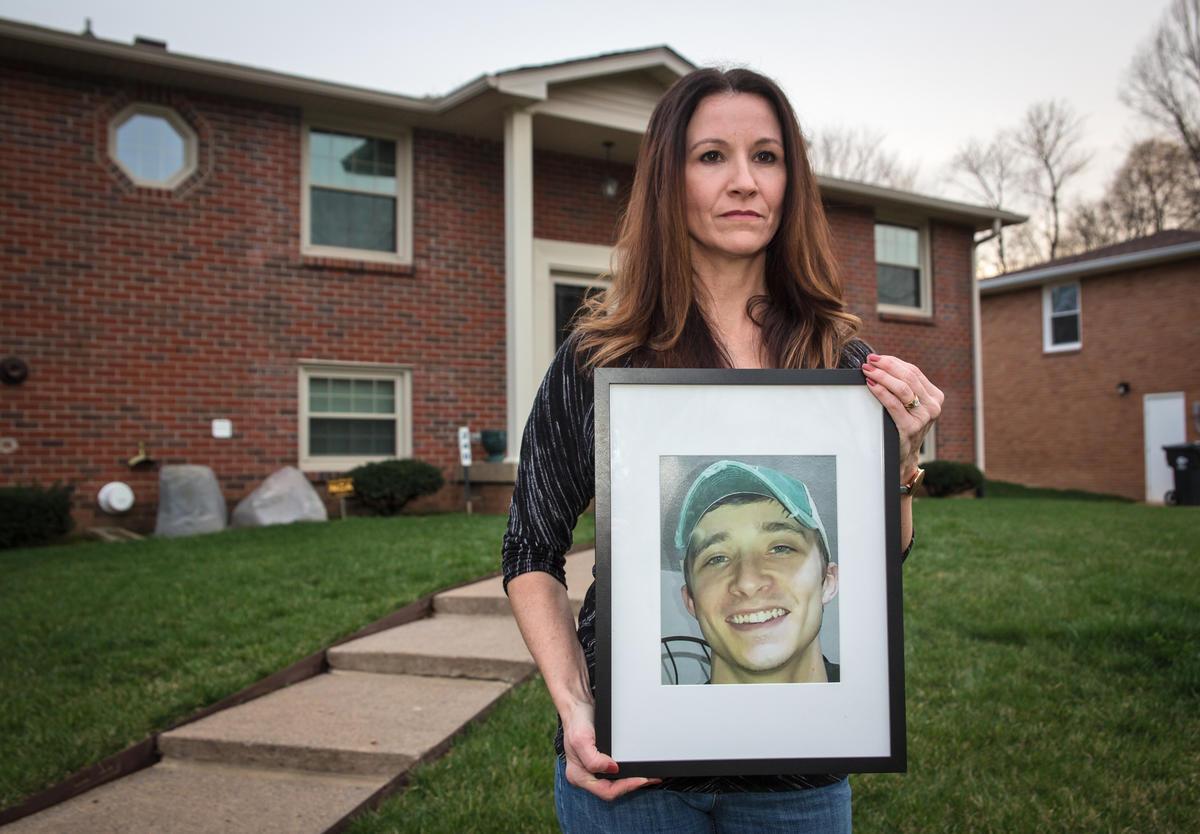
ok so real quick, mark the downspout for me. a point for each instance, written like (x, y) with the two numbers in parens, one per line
(977, 344)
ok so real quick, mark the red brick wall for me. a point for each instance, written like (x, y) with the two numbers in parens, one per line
(940, 346)
(1056, 419)
(145, 315)
(567, 200)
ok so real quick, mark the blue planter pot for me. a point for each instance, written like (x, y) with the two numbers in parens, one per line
(495, 443)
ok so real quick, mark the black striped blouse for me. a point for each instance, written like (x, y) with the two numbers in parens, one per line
(555, 483)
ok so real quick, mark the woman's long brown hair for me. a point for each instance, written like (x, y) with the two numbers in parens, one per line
(651, 315)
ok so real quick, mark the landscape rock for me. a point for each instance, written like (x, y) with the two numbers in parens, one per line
(285, 496)
(189, 501)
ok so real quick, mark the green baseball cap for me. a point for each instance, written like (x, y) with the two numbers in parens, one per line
(732, 477)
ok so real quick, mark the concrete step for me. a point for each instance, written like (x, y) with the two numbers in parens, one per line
(487, 598)
(339, 722)
(445, 645)
(182, 797)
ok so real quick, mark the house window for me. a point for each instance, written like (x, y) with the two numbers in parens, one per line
(928, 450)
(1061, 320)
(353, 414)
(152, 145)
(357, 195)
(901, 274)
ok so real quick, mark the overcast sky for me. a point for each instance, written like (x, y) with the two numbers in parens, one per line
(930, 73)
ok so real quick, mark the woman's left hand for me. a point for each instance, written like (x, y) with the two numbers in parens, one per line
(913, 401)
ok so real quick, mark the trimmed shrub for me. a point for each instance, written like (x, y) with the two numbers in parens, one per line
(33, 515)
(948, 477)
(385, 487)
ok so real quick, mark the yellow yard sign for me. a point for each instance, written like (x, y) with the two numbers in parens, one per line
(340, 486)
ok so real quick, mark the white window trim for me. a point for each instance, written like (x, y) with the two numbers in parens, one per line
(929, 447)
(925, 269)
(190, 143)
(402, 374)
(404, 193)
(1047, 310)
(557, 256)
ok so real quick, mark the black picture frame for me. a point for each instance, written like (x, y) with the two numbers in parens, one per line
(639, 411)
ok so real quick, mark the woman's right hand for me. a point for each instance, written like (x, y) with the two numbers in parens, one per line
(584, 760)
(543, 612)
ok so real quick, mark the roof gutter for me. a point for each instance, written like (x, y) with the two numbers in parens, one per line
(1095, 266)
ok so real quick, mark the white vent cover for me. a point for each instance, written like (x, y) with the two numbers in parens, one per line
(115, 497)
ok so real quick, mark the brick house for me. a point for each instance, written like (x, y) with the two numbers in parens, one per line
(246, 269)
(1087, 366)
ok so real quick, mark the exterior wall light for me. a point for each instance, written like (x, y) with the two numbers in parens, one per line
(610, 186)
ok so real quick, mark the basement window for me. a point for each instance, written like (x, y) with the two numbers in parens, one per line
(353, 414)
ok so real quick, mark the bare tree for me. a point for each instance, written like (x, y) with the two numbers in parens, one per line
(1049, 138)
(858, 154)
(1163, 82)
(1154, 189)
(1090, 227)
(987, 173)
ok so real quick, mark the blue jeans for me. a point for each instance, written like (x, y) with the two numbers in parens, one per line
(824, 810)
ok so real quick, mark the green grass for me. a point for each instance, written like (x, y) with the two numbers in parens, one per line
(1053, 684)
(1005, 489)
(498, 777)
(108, 643)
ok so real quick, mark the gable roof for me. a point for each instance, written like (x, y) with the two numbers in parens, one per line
(661, 61)
(1161, 247)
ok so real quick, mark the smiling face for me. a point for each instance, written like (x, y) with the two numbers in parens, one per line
(757, 584)
(735, 176)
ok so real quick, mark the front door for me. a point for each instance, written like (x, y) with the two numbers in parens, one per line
(1165, 423)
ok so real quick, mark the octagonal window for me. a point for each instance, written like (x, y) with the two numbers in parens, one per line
(152, 145)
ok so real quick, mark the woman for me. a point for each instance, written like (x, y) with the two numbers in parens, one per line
(723, 261)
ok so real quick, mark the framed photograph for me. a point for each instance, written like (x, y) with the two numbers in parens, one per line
(748, 615)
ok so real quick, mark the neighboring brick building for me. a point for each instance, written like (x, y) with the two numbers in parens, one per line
(344, 274)
(1089, 367)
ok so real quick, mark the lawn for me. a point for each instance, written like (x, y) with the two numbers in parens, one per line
(1053, 684)
(1005, 489)
(108, 643)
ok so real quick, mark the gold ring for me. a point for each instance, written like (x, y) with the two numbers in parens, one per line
(916, 403)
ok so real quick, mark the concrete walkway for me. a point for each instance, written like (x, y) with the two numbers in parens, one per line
(300, 759)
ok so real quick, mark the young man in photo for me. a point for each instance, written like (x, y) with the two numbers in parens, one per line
(757, 574)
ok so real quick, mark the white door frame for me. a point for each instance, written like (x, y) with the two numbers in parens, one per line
(549, 257)
(1166, 432)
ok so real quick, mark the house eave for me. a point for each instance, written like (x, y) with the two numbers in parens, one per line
(27, 42)
(534, 81)
(1082, 269)
(979, 218)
